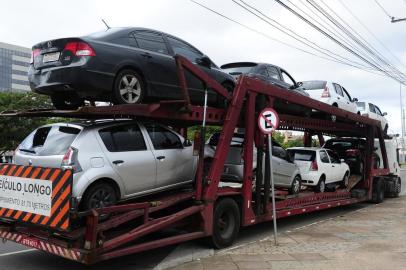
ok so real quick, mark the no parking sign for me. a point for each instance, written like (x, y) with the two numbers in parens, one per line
(268, 121)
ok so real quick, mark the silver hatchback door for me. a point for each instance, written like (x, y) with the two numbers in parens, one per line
(175, 163)
(130, 157)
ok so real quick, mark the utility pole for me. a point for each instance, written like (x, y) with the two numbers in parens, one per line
(397, 20)
(402, 118)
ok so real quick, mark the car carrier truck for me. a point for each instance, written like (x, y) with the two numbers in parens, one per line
(49, 220)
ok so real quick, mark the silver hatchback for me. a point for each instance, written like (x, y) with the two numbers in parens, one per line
(112, 160)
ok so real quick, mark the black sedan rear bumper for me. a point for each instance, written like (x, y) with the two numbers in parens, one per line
(78, 80)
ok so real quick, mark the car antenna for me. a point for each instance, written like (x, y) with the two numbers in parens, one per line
(108, 27)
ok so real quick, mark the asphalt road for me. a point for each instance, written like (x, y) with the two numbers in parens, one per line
(17, 257)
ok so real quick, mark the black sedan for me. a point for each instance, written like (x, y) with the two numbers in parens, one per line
(119, 65)
(273, 75)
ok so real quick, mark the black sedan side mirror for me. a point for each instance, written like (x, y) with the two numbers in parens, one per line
(204, 61)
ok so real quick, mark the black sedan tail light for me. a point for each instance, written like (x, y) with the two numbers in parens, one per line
(79, 48)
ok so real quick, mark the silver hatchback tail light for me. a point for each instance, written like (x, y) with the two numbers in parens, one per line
(70, 160)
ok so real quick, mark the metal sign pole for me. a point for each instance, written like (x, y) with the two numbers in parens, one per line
(272, 190)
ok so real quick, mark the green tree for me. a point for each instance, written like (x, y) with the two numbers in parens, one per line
(14, 129)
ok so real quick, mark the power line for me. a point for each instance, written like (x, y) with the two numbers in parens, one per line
(274, 39)
(371, 33)
(328, 28)
(377, 57)
(383, 9)
(338, 42)
(295, 35)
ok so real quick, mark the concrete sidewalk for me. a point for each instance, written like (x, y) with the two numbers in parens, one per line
(371, 238)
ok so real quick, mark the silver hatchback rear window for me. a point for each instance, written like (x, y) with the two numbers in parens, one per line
(49, 141)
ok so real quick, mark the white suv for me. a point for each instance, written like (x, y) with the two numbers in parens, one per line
(320, 167)
(372, 111)
(330, 93)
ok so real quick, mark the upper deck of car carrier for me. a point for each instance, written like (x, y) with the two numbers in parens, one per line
(193, 212)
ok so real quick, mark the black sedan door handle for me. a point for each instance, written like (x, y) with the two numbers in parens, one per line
(146, 55)
(116, 162)
(160, 158)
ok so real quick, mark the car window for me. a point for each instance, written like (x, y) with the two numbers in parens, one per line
(313, 85)
(377, 110)
(338, 89)
(273, 73)
(361, 106)
(263, 71)
(333, 157)
(371, 108)
(324, 157)
(302, 155)
(182, 48)
(49, 141)
(287, 78)
(346, 95)
(151, 41)
(163, 138)
(279, 152)
(123, 138)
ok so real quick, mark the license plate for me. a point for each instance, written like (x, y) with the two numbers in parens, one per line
(51, 57)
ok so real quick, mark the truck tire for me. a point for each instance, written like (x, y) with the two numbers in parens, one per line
(226, 223)
(378, 191)
(396, 190)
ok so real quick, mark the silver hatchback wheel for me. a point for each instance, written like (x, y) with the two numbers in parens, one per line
(130, 89)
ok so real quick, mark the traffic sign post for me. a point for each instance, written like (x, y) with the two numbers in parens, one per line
(268, 122)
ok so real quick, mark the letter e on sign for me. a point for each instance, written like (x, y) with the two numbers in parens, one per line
(268, 121)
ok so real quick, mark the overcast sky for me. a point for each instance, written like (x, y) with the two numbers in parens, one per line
(28, 22)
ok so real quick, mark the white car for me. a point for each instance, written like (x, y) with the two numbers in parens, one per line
(320, 167)
(372, 111)
(330, 93)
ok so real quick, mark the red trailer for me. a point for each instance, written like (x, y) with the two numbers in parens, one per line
(207, 210)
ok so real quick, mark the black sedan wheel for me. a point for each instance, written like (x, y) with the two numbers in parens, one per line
(128, 88)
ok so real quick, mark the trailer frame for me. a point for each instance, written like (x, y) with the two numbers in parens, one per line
(193, 210)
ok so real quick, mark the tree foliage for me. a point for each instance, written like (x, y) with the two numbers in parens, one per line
(12, 129)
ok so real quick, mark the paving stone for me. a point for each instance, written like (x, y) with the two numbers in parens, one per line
(253, 265)
(278, 257)
(308, 256)
(247, 258)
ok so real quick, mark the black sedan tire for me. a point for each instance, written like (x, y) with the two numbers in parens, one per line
(128, 88)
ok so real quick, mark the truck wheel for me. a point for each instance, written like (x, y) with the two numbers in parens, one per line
(397, 189)
(296, 184)
(378, 191)
(226, 223)
(128, 88)
(321, 185)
